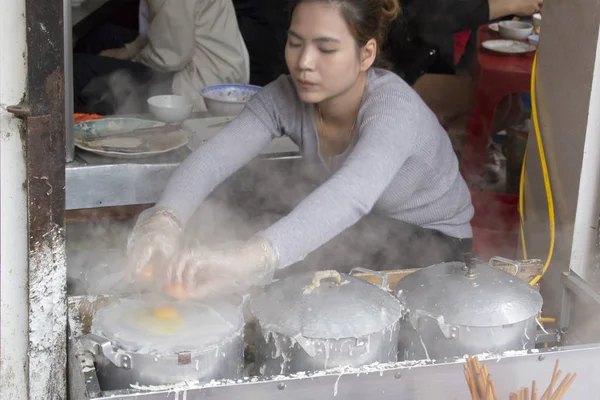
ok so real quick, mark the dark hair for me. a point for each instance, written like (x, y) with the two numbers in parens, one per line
(366, 19)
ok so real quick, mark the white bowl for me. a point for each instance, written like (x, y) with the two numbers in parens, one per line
(515, 30)
(227, 99)
(170, 107)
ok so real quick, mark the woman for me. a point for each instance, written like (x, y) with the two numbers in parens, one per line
(384, 150)
(182, 46)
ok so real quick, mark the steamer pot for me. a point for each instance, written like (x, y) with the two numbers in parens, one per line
(132, 346)
(316, 321)
(453, 309)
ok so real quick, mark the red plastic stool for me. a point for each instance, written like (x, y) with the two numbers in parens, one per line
(495, 76)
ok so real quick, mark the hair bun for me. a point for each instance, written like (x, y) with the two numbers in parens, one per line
(390, 9)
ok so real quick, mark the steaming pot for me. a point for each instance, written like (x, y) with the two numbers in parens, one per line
(453, 309)
(150, 342)
(315, 321)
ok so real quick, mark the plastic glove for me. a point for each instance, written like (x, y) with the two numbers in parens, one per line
(207, 272)
(153, 242)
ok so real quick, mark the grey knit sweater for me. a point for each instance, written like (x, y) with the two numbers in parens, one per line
(402, 165)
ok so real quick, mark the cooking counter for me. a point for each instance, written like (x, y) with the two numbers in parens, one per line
(93, 181)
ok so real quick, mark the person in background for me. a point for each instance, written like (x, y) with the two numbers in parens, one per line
(181, 47)
(264, 25)
(383, 158)
(422, 39)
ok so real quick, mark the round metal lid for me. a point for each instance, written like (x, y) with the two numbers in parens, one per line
(490, 297)
(166, 327)
(336, 306)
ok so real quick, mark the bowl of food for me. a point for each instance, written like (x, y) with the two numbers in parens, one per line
(227, 99)
(515, 30)
(170, 108)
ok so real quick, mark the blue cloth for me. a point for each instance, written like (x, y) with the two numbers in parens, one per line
(526, 99)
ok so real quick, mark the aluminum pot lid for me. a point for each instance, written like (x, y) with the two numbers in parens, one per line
(324, 305)
(166, 327)
(485, 297)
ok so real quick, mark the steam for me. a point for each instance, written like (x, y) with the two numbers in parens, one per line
(123, 93)
(250, 201)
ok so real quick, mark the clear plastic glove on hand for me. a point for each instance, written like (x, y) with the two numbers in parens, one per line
(153, 242)
(210, 272)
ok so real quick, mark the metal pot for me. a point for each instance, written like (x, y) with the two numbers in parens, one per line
(458, 308)
(134, 346)
(315, 321)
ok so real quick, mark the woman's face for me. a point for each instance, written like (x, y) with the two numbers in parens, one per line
(321, 53)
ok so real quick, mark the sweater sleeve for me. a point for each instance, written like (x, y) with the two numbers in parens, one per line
(232, 148)
(388, 132)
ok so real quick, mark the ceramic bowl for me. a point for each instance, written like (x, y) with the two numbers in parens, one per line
(170, 108)
(515, 30)
(227, 99)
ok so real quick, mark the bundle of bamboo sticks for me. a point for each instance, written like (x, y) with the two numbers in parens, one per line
(479, 380)
(482, 387)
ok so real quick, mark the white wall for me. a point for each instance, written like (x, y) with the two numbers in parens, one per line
(14, 337)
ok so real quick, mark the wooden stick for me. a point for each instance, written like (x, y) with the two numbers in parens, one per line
(526, 394)
(475, 377)
(479, 377)
(548, 393)
(471, 384)
(486, 372)
(568, 385)
(490, 391)
(535, 394)
(555, 374)
(486, 381)
(494, 390)
(561, 388)
(558, 389)
(475, 374)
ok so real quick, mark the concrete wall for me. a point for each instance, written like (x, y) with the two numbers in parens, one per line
(569, 115)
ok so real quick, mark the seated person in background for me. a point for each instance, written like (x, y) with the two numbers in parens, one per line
(421, 40)
(264, 25)
(182, 46)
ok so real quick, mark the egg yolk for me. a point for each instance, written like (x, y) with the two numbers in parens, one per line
(165, 312)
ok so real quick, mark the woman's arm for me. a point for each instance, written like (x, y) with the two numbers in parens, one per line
(217, 159)
(387, 136)
(169, 45)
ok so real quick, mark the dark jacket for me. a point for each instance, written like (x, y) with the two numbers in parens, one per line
(421, 39)
(264, 25)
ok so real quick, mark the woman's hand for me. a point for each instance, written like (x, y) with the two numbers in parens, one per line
(523, 8)
(206, 272)
(526, 8)
(153, 242)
